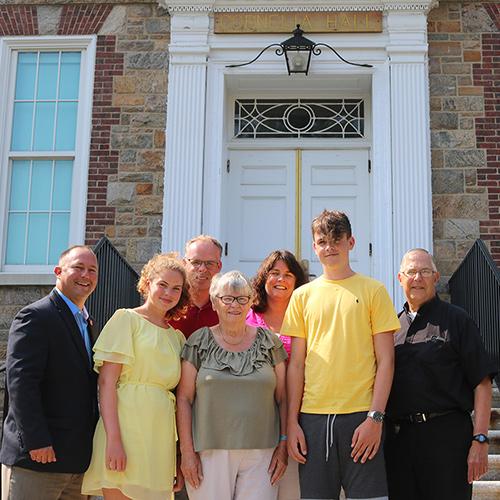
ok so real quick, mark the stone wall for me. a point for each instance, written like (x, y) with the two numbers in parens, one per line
(12, 299)
(464, 79)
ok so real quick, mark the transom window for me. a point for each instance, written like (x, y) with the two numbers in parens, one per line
(43, 165)
(334, 118)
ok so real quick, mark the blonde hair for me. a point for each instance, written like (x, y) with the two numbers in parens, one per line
(155, 265)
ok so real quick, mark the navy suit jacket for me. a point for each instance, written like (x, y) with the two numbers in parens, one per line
(52, 389)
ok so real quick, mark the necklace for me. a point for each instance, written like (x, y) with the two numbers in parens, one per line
(232, 343)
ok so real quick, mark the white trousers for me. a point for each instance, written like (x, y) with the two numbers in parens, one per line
(289, 487)
(235, 475)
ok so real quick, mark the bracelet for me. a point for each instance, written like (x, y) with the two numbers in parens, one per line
(283, 437)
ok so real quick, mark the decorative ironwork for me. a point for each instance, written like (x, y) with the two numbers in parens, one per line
(338, 118)
(297, 51)
(117, 284)
(475, 286)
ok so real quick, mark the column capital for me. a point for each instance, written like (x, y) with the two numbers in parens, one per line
(189, 38)
(407, 33)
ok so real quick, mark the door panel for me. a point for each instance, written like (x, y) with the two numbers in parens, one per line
(259, 217)
(337, 180)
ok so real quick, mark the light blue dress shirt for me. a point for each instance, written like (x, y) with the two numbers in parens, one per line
(81, 318)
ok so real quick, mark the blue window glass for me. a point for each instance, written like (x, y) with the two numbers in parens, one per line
(41, 185)
(59, 236)
(21, 126)
(38, 235)
(44, 126)
(69, 81)
(63, 177)
(26, 75)
(66, 126)
(45, 110)
(19, 185)
(48, 68)
(16, 230)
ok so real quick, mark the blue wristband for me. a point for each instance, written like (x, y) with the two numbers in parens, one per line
(283, 437)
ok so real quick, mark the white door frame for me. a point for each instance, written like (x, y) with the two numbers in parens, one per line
(196, 118)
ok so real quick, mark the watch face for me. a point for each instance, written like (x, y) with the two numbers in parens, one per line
(480, 438)
(378, 416)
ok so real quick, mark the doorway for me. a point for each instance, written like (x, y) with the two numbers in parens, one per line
(271, 197)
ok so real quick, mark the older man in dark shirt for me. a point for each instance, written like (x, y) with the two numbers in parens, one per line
(434, 451)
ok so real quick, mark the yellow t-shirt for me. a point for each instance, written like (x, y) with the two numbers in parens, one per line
(338, 319)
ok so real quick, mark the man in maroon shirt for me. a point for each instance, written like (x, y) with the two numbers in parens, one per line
(203, 261)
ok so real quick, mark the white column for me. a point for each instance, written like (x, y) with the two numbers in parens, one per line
(381, 218)
(186, 104)
(410, 130)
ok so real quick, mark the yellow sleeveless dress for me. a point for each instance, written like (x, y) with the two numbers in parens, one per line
(150, 356)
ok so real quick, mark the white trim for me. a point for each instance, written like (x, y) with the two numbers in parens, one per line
(8, 49)
(17, 279)
(198, 6)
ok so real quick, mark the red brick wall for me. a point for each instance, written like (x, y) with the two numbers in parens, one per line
(18, 20)
(487, 74)
(82, 19)
(103, 160)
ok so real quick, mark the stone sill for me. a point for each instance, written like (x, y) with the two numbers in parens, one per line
(18, 279)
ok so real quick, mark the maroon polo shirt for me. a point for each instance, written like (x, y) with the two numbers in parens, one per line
(196, 318)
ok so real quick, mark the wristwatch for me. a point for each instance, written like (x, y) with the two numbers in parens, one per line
(480, 438)
(378, 416)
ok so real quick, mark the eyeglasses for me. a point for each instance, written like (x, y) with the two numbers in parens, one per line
(229, 299)
(424, 273)
(209, 264)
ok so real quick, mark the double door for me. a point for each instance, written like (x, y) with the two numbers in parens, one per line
(271, 197)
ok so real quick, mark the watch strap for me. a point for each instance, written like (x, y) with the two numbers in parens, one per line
(480, 438)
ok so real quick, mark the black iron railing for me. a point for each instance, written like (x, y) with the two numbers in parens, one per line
(117, 284)
(475, 286)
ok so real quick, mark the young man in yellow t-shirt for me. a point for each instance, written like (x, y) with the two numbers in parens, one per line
(340, 371)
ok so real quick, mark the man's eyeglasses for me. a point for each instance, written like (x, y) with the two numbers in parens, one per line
(424, 273)
(229, 299)
(209, 264)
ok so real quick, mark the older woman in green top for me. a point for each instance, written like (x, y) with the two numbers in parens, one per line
(231, 408)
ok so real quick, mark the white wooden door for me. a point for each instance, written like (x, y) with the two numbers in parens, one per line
(271, 198)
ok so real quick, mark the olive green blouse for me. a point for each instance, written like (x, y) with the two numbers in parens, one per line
(234, 406)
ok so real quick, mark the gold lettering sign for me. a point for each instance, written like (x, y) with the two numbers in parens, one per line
(310, 22)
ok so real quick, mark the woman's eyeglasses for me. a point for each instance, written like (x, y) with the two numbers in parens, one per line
(229, 299)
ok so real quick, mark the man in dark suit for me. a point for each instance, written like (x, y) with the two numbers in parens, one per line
(52, 403)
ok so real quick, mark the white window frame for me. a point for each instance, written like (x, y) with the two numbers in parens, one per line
(9, 46)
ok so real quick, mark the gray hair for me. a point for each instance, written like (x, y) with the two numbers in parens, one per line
(413, 250)
(234, 280)
(204, 237)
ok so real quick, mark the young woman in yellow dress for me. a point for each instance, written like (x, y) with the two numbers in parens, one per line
(137, 357)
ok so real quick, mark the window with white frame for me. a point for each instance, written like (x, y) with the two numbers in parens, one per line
(45, 138)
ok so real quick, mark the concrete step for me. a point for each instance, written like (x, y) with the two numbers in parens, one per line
(494, 436)
(495, 418)
(486, 490)
(495, 402)
(493, 473)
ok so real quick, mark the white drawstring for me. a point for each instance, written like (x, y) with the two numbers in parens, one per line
(329, 434)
